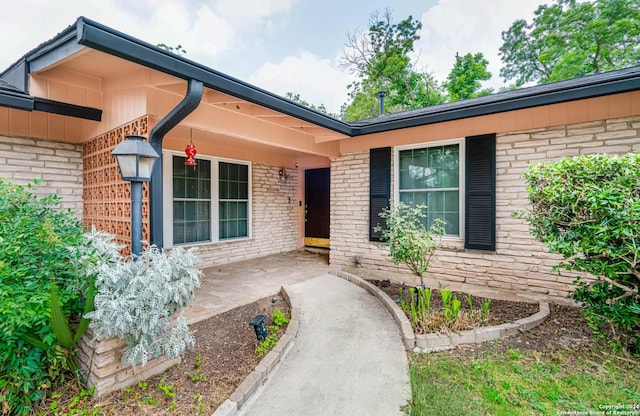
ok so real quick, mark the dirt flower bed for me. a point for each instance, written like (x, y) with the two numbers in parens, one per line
(224, 355)
(500, 311)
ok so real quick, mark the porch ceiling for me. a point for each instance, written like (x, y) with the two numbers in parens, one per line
(226, 114)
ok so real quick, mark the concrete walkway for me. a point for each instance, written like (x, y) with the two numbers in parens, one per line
(228, 286)
(347, 359)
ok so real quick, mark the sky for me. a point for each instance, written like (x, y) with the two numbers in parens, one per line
(279, 45)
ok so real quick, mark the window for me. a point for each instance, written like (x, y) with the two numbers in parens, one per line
(191, 201)
(431, 175)
(208, 202)
(234, 199)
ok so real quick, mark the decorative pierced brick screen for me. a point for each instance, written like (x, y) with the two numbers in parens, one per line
(107, 198)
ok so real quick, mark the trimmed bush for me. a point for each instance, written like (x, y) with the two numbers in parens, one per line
(587, 209)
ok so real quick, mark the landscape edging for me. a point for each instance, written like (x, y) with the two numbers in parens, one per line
(263, 370)
(439, 342)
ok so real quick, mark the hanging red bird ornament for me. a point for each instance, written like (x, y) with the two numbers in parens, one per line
(191, 153)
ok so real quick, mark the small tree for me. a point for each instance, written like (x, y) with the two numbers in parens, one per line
(408, 239)
(587, 209)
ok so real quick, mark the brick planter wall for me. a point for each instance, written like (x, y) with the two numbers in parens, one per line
(519, 262)
(59, 165)
(100, 360)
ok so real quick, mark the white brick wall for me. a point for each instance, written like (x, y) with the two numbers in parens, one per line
(59, 165)
(519, 262)
(274, 213)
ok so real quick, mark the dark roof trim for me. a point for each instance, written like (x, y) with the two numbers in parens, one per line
(22, 101)
(609, 83)
(13, 99)
(65, 109)
(116, 43)
(40, 57)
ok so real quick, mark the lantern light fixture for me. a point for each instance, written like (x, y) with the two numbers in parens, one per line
(135, 157)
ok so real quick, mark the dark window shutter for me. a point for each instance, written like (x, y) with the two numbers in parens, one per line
(480, 195)
(379, 187)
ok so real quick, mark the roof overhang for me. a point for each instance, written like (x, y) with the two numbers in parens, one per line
(105, 39)
(87, 34)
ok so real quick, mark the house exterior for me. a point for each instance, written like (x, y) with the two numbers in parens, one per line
(273, 176)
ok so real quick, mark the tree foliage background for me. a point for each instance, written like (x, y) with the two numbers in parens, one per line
(570, 39)
(381, 60)
(566, 39)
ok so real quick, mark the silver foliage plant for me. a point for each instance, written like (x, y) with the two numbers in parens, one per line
(136, 301)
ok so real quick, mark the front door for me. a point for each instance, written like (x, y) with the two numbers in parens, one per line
(316, 208)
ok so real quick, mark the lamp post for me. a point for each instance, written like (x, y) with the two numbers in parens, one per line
(135, 159)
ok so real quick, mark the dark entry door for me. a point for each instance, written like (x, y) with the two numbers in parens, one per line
(316, 208)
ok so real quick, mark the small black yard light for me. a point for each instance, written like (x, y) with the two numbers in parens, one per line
(135, 159)
(258, 325)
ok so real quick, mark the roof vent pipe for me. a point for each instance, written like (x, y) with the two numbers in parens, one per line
(381, 95)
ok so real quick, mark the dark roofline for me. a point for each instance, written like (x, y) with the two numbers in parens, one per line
(10, 97)
(108, 40)
(97, 36)
(608, 83)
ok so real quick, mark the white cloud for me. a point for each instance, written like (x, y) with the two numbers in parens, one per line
(465, 26)
(204, 28)
(317, 80)
(251, 12)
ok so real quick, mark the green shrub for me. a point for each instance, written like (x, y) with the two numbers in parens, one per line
(407, 238)
(43, 257)
(587, 209)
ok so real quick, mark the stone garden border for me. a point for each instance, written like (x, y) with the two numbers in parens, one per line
(417, 343)
(438, 342)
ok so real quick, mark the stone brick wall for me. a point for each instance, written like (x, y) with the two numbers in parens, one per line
(100, 360)
(274, 220)
(59, 165)
(519, 263)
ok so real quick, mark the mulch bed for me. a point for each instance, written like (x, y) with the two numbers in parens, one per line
(225, 354)
(564, 328)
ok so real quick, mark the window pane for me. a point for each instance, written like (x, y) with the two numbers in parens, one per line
(435, 201)
(243, 190)
(242, 228)
(429, 169)
(243, 175)
(178, 211)
(233, 190)
(191, 231)
(192, 188)
(202, 211)
(204, 189)
(452, 225)
(204, 231)
(242, 210)
(179, 166)
(178, 232)
(451, 201)
(179, 190)
(190, 210)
